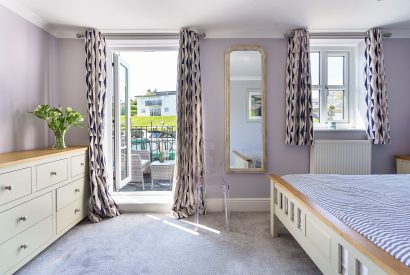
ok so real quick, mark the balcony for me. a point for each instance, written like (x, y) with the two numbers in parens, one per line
(149, 142)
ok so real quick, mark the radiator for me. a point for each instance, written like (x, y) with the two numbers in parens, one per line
(346, 157)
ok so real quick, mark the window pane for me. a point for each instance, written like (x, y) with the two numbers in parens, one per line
(316, 105)
(335, 105)
(314, 67)
(335, 70)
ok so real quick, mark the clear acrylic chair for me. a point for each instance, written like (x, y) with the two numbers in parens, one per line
(215, 177)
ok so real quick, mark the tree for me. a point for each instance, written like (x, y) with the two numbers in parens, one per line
(133, 107)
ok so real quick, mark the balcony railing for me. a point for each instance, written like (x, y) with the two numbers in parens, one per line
(157, 102)
(154, 139)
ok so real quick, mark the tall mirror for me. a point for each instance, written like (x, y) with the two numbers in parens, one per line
(245, 74)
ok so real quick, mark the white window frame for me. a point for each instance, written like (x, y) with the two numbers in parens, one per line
(350, 51)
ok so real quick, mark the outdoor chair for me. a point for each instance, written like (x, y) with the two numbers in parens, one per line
(145, 155)
(138, 165)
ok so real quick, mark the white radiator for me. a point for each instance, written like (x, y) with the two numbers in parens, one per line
(346, 157)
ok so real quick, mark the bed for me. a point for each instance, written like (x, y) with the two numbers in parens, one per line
(346, 224)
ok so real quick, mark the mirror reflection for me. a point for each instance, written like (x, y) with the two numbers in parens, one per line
(245, 102)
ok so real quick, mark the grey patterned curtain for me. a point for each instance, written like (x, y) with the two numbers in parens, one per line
(190, 155)
(378, 128)
(299, 120)
(102, 204)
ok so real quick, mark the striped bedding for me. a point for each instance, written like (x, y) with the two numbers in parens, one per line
(376, 206)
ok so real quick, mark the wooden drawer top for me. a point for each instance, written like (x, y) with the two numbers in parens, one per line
(13, 158)
(403, 157)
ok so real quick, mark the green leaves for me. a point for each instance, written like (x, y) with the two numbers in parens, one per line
(57, 119)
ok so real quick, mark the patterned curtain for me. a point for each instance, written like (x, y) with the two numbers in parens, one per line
(378, 128)
(190, 155)
(102, 204)
(299, 120)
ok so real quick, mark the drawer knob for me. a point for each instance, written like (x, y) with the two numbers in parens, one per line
(77, 190)
(8, 187)
(82, 163)
(24, 246)
(23, 218)
(53, 173)
(77, 210)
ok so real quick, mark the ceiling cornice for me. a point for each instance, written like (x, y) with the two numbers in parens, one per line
(27, 14)
(70, 32)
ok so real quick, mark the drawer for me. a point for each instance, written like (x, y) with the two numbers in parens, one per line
(74, 212)
(22, 245)
(70, 192)
(23, 216)
(78, 164)
(14, 185)
(51, 173)
(403, 166)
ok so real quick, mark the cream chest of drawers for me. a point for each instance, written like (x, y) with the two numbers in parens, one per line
(403, 164)
(43, 193)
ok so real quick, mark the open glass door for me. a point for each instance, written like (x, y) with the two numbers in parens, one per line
(122, 124)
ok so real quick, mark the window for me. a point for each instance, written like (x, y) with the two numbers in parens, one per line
(153, 102)
(155, 112)
(330, 86)
(142, 111)
(166, 109)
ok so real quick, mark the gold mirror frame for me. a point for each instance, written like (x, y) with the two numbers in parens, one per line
(228, 168)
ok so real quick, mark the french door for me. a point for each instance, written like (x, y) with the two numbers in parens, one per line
(122, 121)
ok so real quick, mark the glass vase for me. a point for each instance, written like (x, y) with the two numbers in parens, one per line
(59, 141)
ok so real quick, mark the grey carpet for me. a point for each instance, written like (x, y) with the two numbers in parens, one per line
(159, 244)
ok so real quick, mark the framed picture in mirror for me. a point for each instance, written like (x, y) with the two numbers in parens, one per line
(254, 106)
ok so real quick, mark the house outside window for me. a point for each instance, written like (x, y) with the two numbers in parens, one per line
(159, 100)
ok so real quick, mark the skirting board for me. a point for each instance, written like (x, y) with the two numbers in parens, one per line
(130, 204)
(240, 205)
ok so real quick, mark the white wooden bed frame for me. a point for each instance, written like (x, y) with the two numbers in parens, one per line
(329, 242)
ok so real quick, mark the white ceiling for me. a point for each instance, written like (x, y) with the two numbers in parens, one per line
(217, 18)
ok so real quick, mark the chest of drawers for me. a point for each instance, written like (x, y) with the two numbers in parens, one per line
(43, 193)
(403, 164)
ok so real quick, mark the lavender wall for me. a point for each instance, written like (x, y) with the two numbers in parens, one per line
(397, 64)
(26, 79)
(283, 159)
(71, 84)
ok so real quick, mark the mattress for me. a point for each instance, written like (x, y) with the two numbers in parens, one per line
(376, 206)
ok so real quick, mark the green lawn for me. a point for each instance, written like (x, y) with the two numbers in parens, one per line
(155, 120)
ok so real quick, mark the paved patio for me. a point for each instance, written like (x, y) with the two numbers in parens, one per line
(162, 185)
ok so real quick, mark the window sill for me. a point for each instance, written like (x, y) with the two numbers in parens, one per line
(339, 130)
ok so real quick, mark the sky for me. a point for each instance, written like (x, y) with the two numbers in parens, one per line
(334, 72)
(151, 70)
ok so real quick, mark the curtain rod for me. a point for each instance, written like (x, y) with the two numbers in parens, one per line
(141, 35)
(339, 35)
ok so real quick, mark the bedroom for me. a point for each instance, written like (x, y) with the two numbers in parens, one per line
(43, 63)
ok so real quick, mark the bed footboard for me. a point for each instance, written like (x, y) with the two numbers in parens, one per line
(333, 247)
